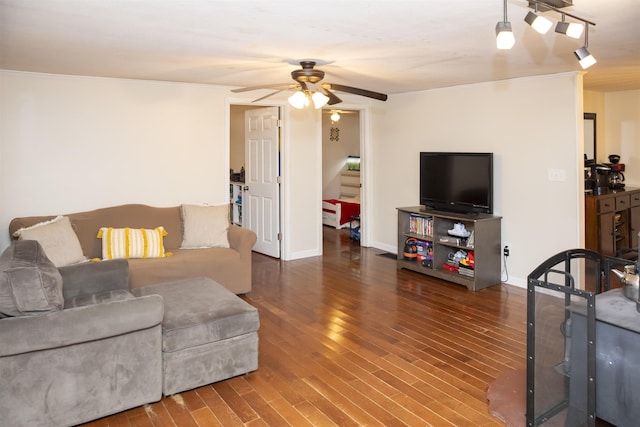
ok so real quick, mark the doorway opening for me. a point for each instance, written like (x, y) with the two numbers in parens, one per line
(341, 166)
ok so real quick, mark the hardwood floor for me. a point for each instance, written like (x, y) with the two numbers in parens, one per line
(347, 339)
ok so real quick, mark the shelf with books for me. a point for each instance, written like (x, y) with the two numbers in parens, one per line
(421, 226)
(236, 192)
(463, 249)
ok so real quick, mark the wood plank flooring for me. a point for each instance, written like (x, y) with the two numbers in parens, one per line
(346, 339)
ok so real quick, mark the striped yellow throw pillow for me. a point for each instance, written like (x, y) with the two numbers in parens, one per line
(132, 242)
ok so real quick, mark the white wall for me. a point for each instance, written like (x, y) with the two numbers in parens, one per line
(62, 138)
(71, 143)
(531, 126)
(622, 133)
(302, 161)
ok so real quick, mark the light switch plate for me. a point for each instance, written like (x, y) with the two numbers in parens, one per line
(557, 175)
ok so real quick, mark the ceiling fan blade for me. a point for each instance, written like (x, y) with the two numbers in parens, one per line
(247, 89)
(355, 91)
(333, 98)
(267, 96)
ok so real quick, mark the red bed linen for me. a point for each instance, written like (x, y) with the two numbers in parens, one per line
(347, 210)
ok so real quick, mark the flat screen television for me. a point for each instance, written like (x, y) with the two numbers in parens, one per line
(457, 182)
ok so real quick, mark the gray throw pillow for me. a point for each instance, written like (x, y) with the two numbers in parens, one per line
(30, 283)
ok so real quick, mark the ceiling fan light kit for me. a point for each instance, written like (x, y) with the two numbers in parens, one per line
(299, 100)
(304, 96)
(319, 100)
(505, 39)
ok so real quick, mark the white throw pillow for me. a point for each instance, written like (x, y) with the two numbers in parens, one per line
(205, 226)
(57, 238)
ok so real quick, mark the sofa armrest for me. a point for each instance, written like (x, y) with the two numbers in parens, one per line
(242, 240)
(94, 277)
(77, 325)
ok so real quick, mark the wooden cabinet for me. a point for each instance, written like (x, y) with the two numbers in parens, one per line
(439, 249)
(612, 221)
(634, 218)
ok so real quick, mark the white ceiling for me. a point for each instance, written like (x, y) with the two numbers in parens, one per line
(389, 46)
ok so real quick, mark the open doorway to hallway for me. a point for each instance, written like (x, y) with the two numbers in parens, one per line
(341, 164)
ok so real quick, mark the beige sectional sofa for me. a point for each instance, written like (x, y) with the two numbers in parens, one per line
(231, 267)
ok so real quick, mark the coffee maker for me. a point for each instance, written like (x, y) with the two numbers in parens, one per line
(600, 177)
(616, 176)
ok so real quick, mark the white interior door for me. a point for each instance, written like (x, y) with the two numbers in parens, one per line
(262, 189)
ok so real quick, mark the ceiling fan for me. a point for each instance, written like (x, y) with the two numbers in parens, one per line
(304, 95)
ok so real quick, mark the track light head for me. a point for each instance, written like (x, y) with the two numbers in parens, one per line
(538, 23)
(504, 36)
(570, 29)
(585, 58)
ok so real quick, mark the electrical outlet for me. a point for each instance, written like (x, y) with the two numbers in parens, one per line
(506, 250)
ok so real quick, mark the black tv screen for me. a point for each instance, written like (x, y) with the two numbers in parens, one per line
(457, 182)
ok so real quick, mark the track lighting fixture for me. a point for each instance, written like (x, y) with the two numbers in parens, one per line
(570, 29)
(506, 40)
(585, 59)
(538, 22)
(504, 35)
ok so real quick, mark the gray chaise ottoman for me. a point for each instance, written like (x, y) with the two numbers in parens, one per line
(208, 333)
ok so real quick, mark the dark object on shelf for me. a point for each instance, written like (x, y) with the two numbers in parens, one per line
(237, 176)
(617, 177)
(354, 233)
(588, 175)
(600, 176)
(354, 230)
(410, 249)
